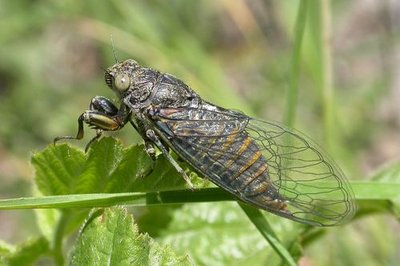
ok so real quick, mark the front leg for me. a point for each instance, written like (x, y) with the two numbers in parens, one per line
(141, 129)
(103, 115)
(150, 150)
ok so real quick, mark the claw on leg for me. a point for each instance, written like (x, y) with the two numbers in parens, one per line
(98, 135)
(149, 149)
(187, 179)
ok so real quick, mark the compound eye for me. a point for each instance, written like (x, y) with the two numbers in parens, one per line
(122, 82)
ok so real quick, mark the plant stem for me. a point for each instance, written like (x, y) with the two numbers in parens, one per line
(326, 74)
(268, 233)
(363, 190)
(291, 104)
(58, 238)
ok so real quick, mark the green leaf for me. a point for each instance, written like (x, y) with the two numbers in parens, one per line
(56, 168)
(46, 220)
(110, 237)
(220, 234)
(107, 167)
(164, 177)
(154, 219)
(27, 252)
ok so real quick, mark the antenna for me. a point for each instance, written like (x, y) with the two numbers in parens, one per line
(113, 50)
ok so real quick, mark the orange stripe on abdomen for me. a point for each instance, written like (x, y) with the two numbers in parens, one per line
(239, 152)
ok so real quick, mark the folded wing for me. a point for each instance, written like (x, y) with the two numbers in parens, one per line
(263, 163)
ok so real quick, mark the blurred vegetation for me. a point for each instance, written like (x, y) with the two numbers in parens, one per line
(237, 54)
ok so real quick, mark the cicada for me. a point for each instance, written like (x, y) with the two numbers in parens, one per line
(264, 164)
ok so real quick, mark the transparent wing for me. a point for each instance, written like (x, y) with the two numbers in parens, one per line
(262, 163)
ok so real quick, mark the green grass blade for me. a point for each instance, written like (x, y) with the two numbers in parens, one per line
(267, 232)
(294, 69)
(367, 190)
(363, 190)
(110, 199)
(327, 73)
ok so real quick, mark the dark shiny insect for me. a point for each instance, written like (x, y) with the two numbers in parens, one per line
(262, 163)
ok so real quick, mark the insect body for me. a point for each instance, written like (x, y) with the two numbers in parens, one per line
(264, 164)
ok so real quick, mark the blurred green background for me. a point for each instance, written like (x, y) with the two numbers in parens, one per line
(236, 54)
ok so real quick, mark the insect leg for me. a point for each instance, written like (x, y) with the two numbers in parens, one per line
(99, 132)
(79, 135)
(148, 144)
(149, 148)
(152, 136)
(103, 115)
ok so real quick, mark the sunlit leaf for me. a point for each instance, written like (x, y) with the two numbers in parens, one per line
(107, 167)
(217, 234)
(110, 237)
